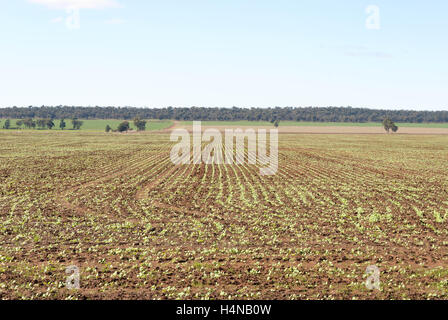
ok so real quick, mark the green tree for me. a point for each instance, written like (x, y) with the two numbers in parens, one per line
(77, 124)
(324, 114)
(29, 123)
(62, 124)
(140, 124)
(124, 126)
(41, 123)
(49, 123)
(394, 128)
(7, 124)
(387, 124)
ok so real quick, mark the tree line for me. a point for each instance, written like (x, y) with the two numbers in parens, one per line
(125, 126)
(30, 123)
(314, 114)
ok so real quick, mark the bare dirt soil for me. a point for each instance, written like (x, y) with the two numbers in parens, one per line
(139, 227)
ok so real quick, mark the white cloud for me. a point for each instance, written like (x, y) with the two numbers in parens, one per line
(79, 4)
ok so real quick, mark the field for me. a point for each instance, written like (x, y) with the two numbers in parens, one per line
(322, 127)
(314, 124)
(139, 227)
(100, 125)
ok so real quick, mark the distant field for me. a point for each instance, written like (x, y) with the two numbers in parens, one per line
(100, 125)
(314, 124)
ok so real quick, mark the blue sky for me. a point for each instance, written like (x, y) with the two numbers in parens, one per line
(247, 53)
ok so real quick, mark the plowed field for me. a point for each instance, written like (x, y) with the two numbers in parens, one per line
(139, 227)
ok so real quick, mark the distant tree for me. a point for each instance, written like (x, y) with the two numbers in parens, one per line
(62, 124)
(7, 124)
(394, 128)
(276, 123)
(41, 123)
(77, 124)
(29, 123)
(124, 126)
(321, 114)
(388, 124)
(140, 124)
(49, 123)
(108, 128)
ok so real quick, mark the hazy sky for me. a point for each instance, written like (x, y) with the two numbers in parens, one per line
(225, 53)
